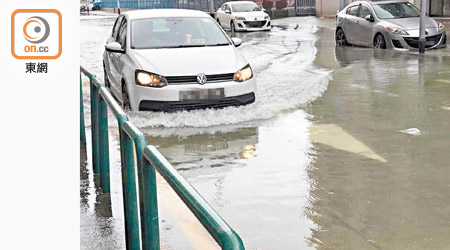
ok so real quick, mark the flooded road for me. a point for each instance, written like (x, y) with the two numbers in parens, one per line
(377, 187)
(317, 162)
(249, 162)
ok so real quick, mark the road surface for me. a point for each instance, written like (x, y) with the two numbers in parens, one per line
(317, 162)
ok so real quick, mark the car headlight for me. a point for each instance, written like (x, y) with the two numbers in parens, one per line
(397, 31)
(240, 18)
(147, 79)
(267, 17)
(244, 74)
(441, 26)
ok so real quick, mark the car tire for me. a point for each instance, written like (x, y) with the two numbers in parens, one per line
(340, 37)
(379, 42)
(125, 98)
(106, 81)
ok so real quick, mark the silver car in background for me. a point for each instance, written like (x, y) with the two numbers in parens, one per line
(386, 25)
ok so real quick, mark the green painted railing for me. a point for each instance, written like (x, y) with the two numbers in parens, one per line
(143, 228)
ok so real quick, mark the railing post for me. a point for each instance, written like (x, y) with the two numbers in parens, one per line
(103, 146)
(149, 210)
(129, 191)
(147, 194)
(94, 125)
(82, 125)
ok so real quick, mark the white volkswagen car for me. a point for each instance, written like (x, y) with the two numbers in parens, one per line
(242, 16)
(170, 59)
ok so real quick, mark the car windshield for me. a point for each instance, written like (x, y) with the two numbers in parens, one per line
(245, 7)
(178, 32)
(396, 10)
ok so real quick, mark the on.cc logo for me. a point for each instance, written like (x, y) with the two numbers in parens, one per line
(36, 34)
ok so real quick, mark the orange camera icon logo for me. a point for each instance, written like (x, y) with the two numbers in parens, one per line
(36, 34)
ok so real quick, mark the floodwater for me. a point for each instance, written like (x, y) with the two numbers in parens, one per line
(317, 162)
(379, 184)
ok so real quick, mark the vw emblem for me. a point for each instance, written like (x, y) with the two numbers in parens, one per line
(256, 18)
(201, 78)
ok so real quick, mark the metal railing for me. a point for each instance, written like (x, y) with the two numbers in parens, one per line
(143, 201)
(203, 5)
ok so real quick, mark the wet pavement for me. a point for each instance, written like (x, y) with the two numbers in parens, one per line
(317, 162)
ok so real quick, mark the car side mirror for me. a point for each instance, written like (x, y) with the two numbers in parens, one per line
(114, 47)
(228, 11)
(370, 18)
(236, 41)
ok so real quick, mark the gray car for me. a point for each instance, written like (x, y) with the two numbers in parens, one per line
(386, 25)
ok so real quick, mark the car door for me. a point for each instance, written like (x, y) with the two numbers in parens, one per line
(117, 62)
(227, 16)
(220, 14)
(349, 23)
(110, 69)
(364, 28)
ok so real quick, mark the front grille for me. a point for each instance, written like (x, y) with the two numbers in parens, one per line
(431, 41)
(255, 24)
(197, 104)
(176, 80)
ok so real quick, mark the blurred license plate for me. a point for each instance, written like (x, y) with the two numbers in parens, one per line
(202, 94)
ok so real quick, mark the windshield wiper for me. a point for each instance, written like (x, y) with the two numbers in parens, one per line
(189, 45)
(218, 44)
(184, 46)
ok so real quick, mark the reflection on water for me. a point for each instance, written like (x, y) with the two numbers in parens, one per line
(360, 203)
(249, 152)
(217, 149)
(256, 177)
(98, 228)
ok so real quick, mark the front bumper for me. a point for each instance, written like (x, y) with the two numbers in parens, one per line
(197, 104)
(412, 43)
(257, 25)
(171, 93)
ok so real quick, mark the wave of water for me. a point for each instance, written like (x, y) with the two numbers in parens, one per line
(285, 77)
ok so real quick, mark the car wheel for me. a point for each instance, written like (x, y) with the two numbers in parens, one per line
(340, 37)
(106, 81)
(379, 42)
(125, 98)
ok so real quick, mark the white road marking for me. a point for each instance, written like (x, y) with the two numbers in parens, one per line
(193, 230)
(336, 137)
